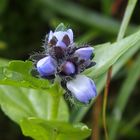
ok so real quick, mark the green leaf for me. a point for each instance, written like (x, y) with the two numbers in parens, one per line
(126, 18)
(21, 67)
(60, 27)
(40, 129)
(107, 54)
(78, 114)
(18, 73)
(3, 62)
(19, 103)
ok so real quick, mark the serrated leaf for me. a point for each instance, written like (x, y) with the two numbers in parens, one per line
(19, 103)
(60, 27)
(40, 129)
(18, 73)
(21, 66)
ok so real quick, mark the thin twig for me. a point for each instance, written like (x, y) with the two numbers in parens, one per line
(105, 101)
(96, 118)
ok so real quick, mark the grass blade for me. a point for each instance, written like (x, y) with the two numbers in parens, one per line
(123, 97)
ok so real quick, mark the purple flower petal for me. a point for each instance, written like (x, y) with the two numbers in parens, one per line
(61, 44)
(50, 36)
(68, 68)
(46, 66)
(60, 34)
(70, 34)
(82, 88)
(84, 53)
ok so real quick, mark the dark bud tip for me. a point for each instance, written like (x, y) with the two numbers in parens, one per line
(53, 41)
(66, 40)
(58, 52)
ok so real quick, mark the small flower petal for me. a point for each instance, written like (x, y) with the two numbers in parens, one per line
(50, 36)
(82, 88)
(84, 53)
(70, 34)
(60, 34)
(46, 66)
(68, 68)
(61, 44)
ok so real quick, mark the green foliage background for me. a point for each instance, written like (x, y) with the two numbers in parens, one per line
(23, 26)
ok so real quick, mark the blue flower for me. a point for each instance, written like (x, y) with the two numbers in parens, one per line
(60, 36)
(82, 88)
(63, 58)
(84, 53)
(46, 66)
(68, 68)
(61, 44)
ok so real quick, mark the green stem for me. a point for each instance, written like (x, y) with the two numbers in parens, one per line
(54, 106)
(56, 93)
(128, 13)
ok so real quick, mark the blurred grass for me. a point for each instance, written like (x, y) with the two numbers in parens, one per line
(106, 8)
(123, 97)
(2, 45)
(130, 125)
(87, 17)
(126, 18)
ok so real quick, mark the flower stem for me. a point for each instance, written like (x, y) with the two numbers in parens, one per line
(54, 107)
(96, 118)
(56, 93)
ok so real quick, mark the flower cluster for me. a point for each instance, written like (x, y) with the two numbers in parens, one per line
(63, 58)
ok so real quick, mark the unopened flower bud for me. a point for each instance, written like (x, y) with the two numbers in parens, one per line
(46, 66)
(82, 88)
(84, 53)
(60, 37)
(68, 68)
